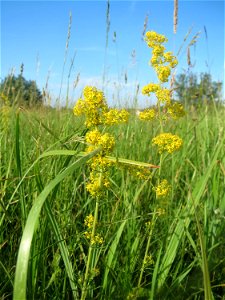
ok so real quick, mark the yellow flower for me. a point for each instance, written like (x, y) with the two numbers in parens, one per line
(79, 108)
(163, 73)
(152, 36)
(89, 221)
(158, 50)
(167, 142)
(156, 61)
(162, 189)
(150, 88)
(176, 110)
(173, 63)
(163, 95)
(93, 137)
(168, 56)
(98, 239)
(91, 106)
(147, 114)
(115, 116)
(107, 142)
(100, 163)
(98, 183)
(93, 97)
(96, 139)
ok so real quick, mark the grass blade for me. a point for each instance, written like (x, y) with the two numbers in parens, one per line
(25, 245)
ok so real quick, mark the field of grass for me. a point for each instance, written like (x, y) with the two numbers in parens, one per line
(152, 249)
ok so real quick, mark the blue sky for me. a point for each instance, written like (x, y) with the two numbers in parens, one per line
(35, 32)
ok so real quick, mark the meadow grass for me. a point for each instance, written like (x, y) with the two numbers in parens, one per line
(152, 249)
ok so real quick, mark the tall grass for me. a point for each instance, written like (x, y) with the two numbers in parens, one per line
(186, 244)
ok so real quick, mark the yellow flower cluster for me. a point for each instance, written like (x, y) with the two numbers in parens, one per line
(99, 165)
(89, 221)
(167, 142)
(150, 88)
(163, 73)
(162, 62)
(97, 183)
(96, 239)
(147, 114)
(115, 116)
(153, 38)
(159, 56)
(96, 139)
(163, 95)
(175, 110)
(162, 189)
(96, 110)
(91, 106)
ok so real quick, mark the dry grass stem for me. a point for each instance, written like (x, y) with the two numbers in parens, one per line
(175, 16)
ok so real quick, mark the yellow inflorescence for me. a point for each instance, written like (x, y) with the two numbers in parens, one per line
(95, 239)
(162, 62)
(162, 189)
(163, 95)
(163, 73)
(91, 106)
(95, 139)
(153, 38)
(147, 114)
(150, 88)
(97, 184)
(176, 110)
(89, 221)
(96, 111)
(167, 142)
(115, 116)
(159, 56)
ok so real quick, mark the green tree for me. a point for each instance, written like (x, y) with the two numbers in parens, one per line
(20, 91)
(191, 90)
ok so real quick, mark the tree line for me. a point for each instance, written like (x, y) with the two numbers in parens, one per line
(190, 89)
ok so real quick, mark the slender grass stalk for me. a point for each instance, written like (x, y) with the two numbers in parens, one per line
(205, 268)
(147, 247)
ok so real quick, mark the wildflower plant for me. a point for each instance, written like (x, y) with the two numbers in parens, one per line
(98, 117)
(162, 62)
(167, 143)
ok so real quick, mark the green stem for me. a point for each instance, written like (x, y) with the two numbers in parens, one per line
(90, 252)
(147, 248)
